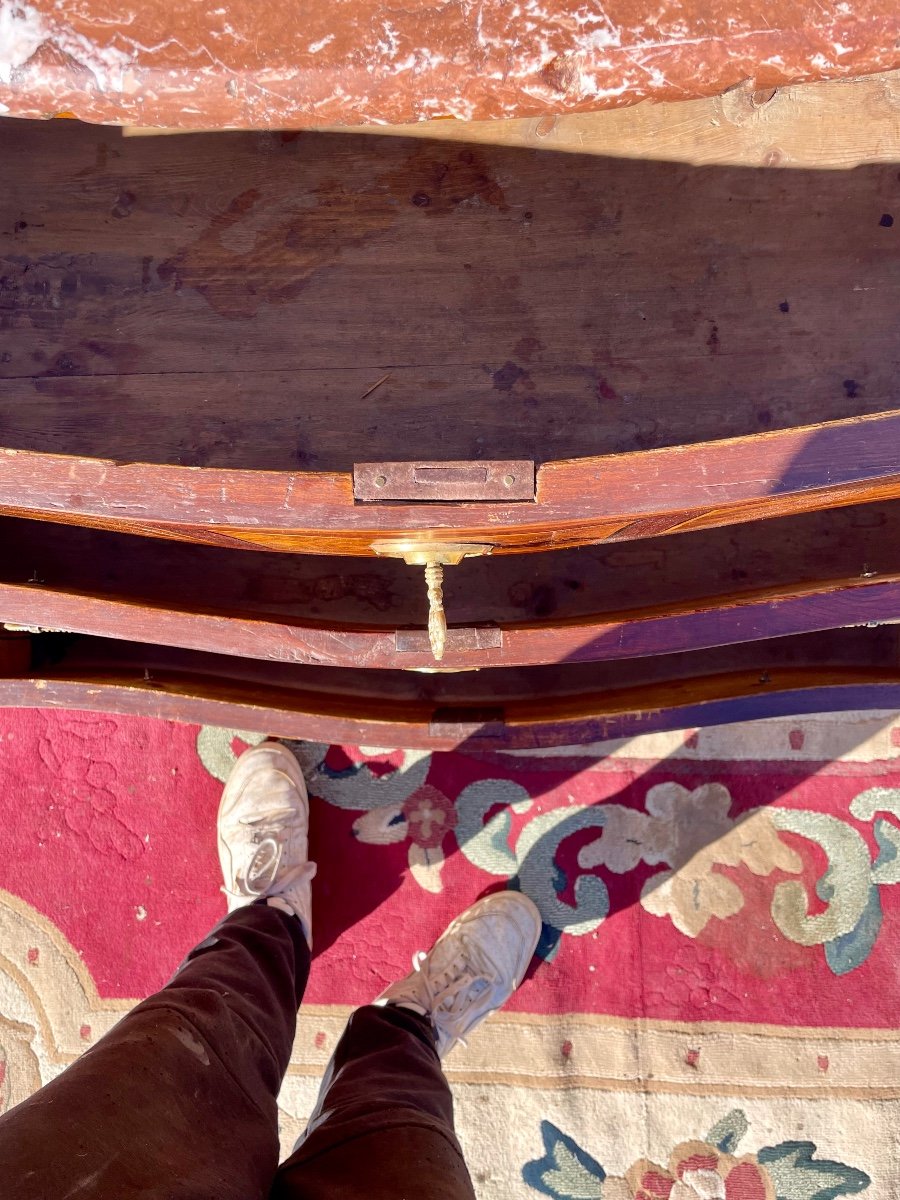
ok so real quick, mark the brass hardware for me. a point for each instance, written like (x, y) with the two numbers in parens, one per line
(437, 618)
(433, 556)
(430, 482)
(441, 670)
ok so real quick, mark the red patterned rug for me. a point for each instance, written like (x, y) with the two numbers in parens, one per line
(713, 1014)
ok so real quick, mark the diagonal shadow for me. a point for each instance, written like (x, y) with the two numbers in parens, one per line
(569, 894)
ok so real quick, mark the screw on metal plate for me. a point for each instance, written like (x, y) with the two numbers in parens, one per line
(433, 556)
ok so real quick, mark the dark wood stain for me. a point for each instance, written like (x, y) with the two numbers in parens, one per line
(605, 390)
(441, 180)
(506, 377)
(285, 247)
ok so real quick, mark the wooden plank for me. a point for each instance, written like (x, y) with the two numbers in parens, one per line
(232, 299)
(578, 502)
(291, 420)
(164, 692)
(565, 585)
(813, 692)
(807, 125)
(738, 618)
(827, 125)
(535, 688)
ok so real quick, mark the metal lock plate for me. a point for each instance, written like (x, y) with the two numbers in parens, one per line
(444, 481)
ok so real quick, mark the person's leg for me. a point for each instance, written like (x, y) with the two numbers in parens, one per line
(383, 1125)
(178, 1101)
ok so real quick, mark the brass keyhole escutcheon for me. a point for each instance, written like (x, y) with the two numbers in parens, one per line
(433, 556)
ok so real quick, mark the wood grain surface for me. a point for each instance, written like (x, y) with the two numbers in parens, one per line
(199, 337)
(737, 618)
(830, 125)
(762, 579)
(545, 706)
(577, 502)
(230, 300)
(857, 542)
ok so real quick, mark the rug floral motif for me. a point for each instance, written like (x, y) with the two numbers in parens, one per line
(709, 1169)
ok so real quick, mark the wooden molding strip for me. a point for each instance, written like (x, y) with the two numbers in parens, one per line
(547, 721)
(726, 620)
(578, 501)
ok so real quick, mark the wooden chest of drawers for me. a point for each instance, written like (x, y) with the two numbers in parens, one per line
(254, 388)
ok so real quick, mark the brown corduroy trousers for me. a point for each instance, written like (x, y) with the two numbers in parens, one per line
(178, 1100)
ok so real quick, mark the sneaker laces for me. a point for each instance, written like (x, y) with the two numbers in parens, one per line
(270, 828)
(452, 990)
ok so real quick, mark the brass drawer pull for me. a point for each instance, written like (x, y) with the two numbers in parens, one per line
(433, 556)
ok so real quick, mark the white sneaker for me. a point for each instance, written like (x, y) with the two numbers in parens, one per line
(263, 833)
(472, 969)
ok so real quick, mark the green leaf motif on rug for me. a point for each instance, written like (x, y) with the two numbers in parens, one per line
(797, 1175)
(565, 1172)
(215, 748)
(726, 1134)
